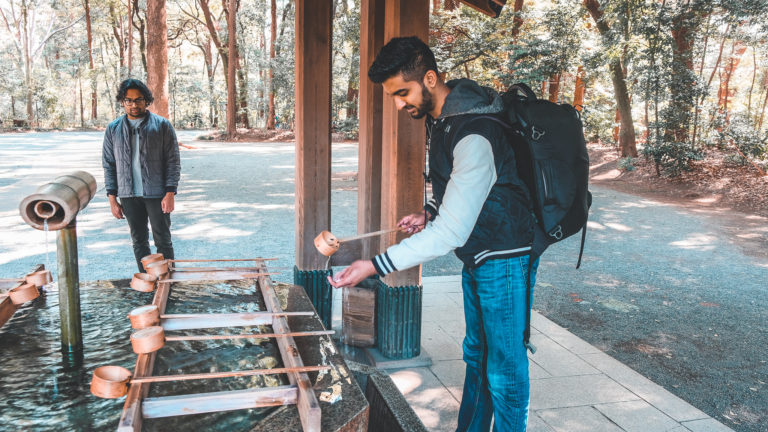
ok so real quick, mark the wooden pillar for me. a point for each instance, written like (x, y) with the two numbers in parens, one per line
(369, 153)
(157, 56)
(313, 128)
(403, 139)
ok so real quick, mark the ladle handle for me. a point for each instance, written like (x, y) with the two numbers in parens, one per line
(370, 234)
(164, 378)
(249, 336)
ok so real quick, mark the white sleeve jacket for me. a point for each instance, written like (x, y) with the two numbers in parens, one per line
(472, 177)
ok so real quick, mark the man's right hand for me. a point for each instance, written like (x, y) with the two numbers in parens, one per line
(412, 223)
(117, 209)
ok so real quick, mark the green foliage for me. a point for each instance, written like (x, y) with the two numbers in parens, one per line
(626, 164)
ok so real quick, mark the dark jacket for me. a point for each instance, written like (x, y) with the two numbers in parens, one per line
(480, 207)
(159, 157)
(505, 225)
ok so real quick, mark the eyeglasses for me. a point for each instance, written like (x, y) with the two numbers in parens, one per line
(137, 101)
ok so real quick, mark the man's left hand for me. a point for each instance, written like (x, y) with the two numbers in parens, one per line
(167, 203)
(353, 275)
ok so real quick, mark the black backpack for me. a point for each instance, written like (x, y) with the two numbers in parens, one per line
(552, 160)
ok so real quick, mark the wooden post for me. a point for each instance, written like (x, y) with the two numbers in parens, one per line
(313, 128)
(371, 100)
(402, 186)
(157, 56)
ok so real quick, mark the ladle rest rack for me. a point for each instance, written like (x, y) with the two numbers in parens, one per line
(7, 307)
(299, 392)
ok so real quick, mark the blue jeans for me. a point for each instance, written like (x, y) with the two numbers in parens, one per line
(496, 383)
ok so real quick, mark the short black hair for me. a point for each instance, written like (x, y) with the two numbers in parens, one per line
(407, 55)
(132, 83)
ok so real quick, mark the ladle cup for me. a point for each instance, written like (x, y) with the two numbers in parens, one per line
(143, 282)
(151, 339)
(23, 293)
(151, 258)
(112, 382)
(144, 316)
(157, 268)
(39, 278)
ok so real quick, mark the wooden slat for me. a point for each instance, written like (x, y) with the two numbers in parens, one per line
(201, 321)
(249, 336)
(228, 374)
(195, 276)
(131, 417)
(170, 406)
(307, 404)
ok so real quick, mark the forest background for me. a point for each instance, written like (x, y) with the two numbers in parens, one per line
(675, 81)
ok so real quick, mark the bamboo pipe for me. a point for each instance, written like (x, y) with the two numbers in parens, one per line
(112, 381)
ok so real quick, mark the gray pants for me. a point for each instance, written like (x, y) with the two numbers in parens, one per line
(139, 211)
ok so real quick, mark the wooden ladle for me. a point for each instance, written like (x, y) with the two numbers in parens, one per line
(112, 382)
(151, 339)
(327, 243)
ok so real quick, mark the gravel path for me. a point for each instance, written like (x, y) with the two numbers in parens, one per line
(676, 293)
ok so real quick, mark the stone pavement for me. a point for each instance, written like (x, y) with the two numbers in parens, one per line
(574, 386)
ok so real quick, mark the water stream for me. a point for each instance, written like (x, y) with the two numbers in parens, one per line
(42, 391)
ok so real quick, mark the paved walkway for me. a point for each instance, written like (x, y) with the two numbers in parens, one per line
(575, 387)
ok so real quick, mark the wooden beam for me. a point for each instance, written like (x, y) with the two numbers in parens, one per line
(313, 128)
(402, 187)
(370, 119)
(307, 404)
(130, 420)
(170, 406)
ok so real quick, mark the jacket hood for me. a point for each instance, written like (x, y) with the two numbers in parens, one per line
(468, 97)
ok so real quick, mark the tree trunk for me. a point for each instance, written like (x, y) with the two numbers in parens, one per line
(157, 56)
(94, 82)
(627, 145)
(517, 21)
(130, 38)
(681, 98)
(82, 108)
(765, 101)
(242, 94)
(117, 32)
(142, 38)
(273, 28)
(232, 50)
(579, 90)
(554, 87)
(737, 50)
(27, 58)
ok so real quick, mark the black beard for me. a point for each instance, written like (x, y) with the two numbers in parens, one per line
(427, 104)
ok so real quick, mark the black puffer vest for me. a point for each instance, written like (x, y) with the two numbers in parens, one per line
(505, 226)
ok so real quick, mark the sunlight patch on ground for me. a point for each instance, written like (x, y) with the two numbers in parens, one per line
(209, 231)
(406, 381)
(618, 227)
(704, 242)
(595, 225)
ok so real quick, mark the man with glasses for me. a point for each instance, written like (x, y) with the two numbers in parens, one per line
(141, 170)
